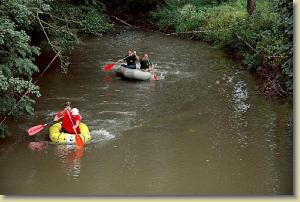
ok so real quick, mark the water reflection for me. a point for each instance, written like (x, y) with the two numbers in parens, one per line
(107, 79)
(69, 155)
(37, 146)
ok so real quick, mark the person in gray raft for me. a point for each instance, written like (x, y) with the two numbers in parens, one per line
(130, 59)
(146, 64)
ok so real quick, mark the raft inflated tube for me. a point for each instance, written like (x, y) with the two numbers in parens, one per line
(65, 138)
(134, 74)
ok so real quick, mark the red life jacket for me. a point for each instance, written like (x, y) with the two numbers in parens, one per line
(67, 123)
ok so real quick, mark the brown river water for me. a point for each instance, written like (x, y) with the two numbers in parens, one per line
(201, 130)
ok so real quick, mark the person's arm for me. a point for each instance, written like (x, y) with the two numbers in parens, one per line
(151, 67)
(136, 56)
(77, 122)
(123, 60)
(58, 116)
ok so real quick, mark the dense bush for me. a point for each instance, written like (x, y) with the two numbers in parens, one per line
(81, 19)
(285, 31)
(218, 23)
(263, 40)
(184, 15)
(189, 18)
(165, 17)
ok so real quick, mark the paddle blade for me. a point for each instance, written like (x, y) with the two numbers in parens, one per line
(79, 141)
(35, 129)
(108, 67)
(155, 77)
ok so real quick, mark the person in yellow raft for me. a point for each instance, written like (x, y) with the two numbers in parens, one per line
(71, 130)
(70, 119)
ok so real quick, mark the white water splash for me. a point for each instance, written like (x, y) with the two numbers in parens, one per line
(133, 113)
(101, 135)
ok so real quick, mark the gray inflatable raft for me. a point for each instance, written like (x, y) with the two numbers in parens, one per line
(134, 74)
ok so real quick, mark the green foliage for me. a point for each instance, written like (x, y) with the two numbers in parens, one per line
(80, 19)
(256, 31)
(16, 53)
(21, 12)
(16, 62)
(184, 15)
(58, 23)
(166, 17)
(12, 91)
(269, 32)
(285, 9)
(263, 40)
(219, 22)
(190, 18)
(67, 20)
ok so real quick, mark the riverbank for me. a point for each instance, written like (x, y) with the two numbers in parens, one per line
(262, 41)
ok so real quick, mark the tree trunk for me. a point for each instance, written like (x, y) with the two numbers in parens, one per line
(250, 6)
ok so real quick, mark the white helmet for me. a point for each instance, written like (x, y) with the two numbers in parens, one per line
(75, 111)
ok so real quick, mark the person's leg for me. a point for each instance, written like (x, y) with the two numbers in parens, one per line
(131, 66)
(62, 130)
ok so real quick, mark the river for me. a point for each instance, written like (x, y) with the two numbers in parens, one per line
(202, 129)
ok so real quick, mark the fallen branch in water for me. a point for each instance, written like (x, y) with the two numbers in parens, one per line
(264, 57)
(57, 49)
(122, 21)
(245, 42)
(277, 56)
(189, 32)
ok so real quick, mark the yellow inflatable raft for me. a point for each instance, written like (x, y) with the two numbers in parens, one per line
(66, 138)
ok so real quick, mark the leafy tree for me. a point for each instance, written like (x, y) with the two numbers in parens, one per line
(16, 59)
(285, 8)
(59, 23)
